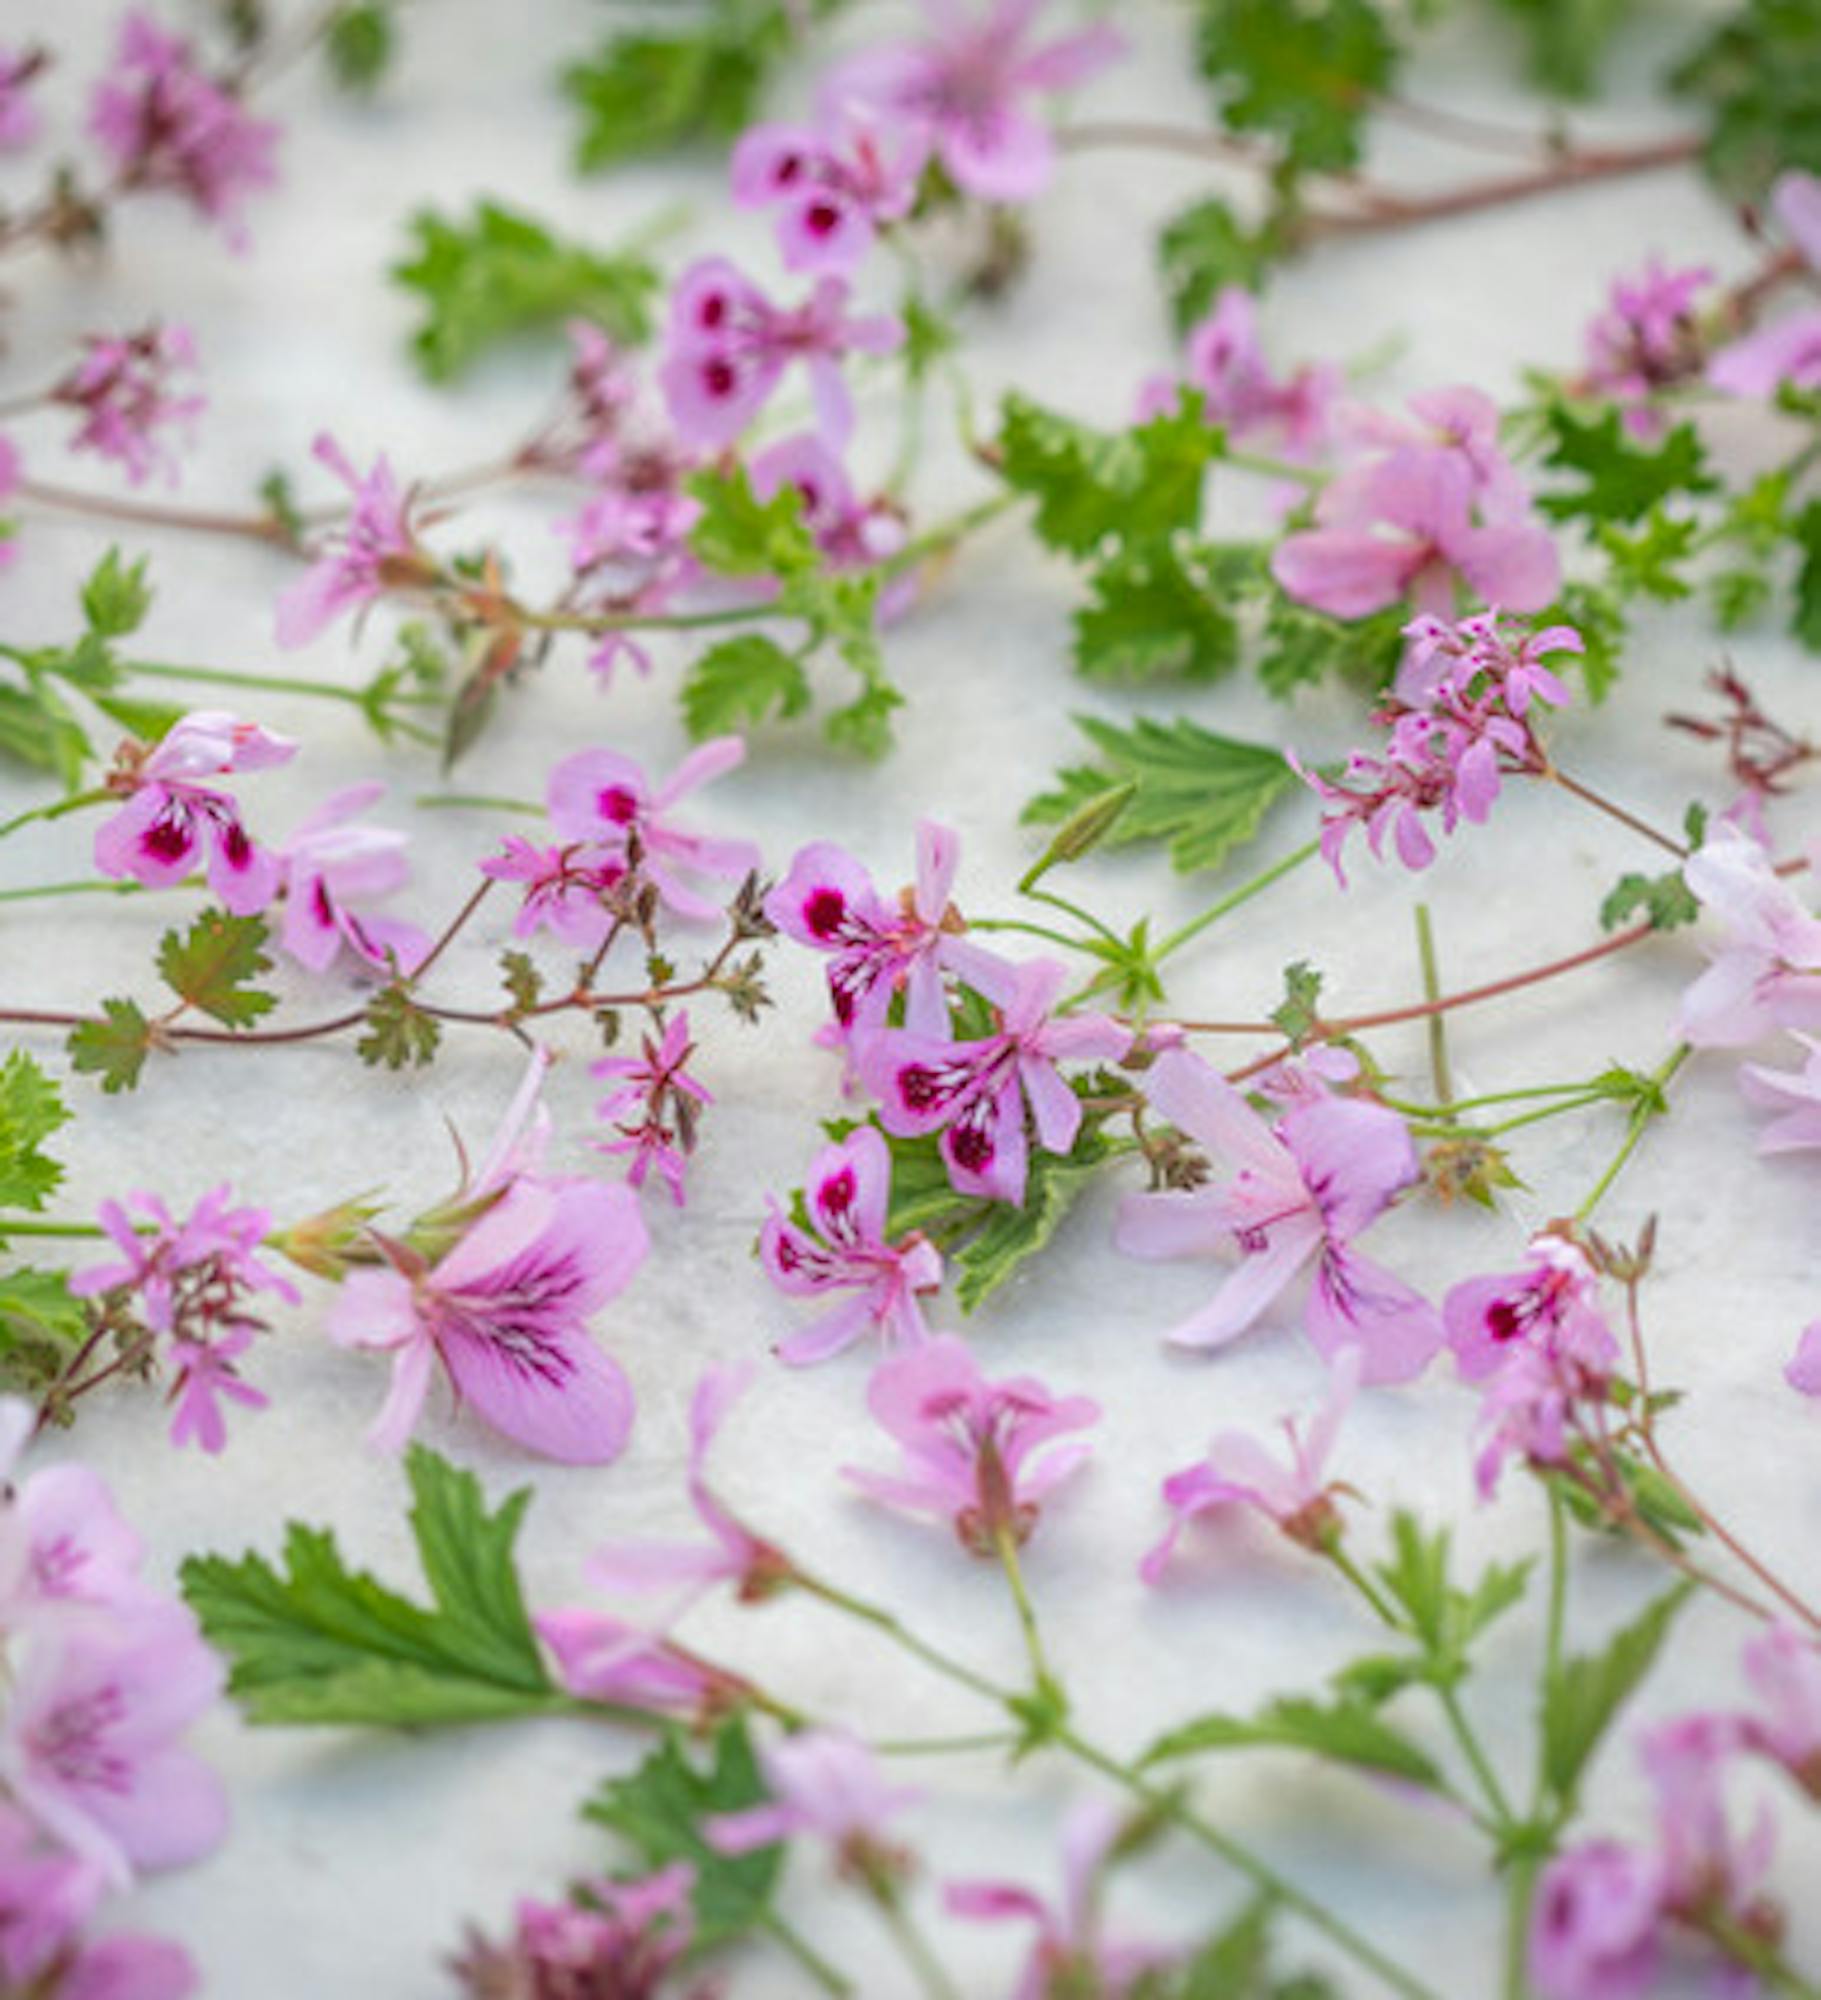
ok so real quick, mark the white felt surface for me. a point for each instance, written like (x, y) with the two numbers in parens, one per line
(356, 1859)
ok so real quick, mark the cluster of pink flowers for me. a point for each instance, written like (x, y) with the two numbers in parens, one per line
(104, 1676)
(122, 386)
(619, 1940)
(20, 118)
(374, 551)
(1646, 340)
(1608, 1915)
(835, 186)
(1434, 507)
(654, 1105)
(164, 122)
(1459, 722)
(1789, 349)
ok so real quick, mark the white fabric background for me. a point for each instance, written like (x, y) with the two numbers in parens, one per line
(356, 1858)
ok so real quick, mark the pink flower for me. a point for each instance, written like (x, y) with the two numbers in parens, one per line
(732, 1554)
(565, 889)
(657, 1089)
(1784, 1670)
(602, 798)
(1596, 1930)
(20, 118)
(1706, 1865)
(170, 821)
(980, 1455)
(1803, 1370)
(1437, 510)
(842, 1247)
(191, 1278)
(1553, 1305)
(1069, 1953)
(62, 1544)
(163, 123)
(728, 347)
(375, 551)
(505, 1312)
(1239, 392)
(206, 1377)
(329, 867)
(1769, 973)
(1646, 339)
(852, 533)
(824, 1784)
(1788, 350)
(961, 87)
(877, 949)
(1794, 1094)
(615, 1940)
(834, 189)
(604, 1659)
(1536, 1406)
(88, 1743)
(122, 387)
(1238, 1471)
(975, 1093)
(1302, 1191)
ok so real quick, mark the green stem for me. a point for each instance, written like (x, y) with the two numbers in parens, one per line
(28, 1226)
(806, 1955)
(477, 802)
(267, 683)
(1521, 1889)
(1440, 1074)
(1074, 910)
(1243, 894)
(945, 534)
(1028, 930)
(930, 1974)
(44, 889)
(642, 621)
(1007, 1547)
(1642, 1113)
(1520, 1892)
(1274, 468)
(945, 1746)
(76, 802)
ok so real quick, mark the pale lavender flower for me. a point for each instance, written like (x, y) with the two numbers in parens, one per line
(1794, 1094)
(20, 118)
(1645, 339)
(611, 1941)
(1553, 1304)
(1789, 349)
(825, 1785)
(122, 386)
(1784, 1670)
(1597, 1927)
(375, 551)
(1768, 974)
(333, 869)
(1292, 416)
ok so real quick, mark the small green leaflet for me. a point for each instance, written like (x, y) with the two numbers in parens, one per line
(399, 1032)
(1345, 1732)
(31, 1109)
(1205, 795)
(212, 966)
(40, 1321)
(1620, 480)
(660, 1809)
(502, 273)
(317, 1642)
(742, 681)
(1302, 647)
(358, 44)
(1304, 72)
(116, 597)
(1568, 40)
(1581, 1700)
(1156, 611)
(1445, 1620)
(1806, 532)
(1204, 250)
(1235, 1964)
(113, 1046)
(1759, 75)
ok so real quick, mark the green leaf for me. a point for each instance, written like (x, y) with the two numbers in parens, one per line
(1235, 1964)
(1568, 40)
(1595, 613)
(116, 597)
(1581, 1699)
(1759, 75)
(1297, 1016)
(1303, 647)
(1665, 899)
(1302, 71)
(399, 1032)
(1445, 1620)
(1344, 1732)
(31, 1109)
(1650, 562)
(316, 1642)
(660, 1811)
(1154, 614)
(113, 1047)
(523, 982)
(40, 1321)
(1206, 795)
(742, 681)
(1806, 623)
(150, 721)
(741, 535)
(358, 44)
(1011, 1235)
(212, 966)
(1207, 248)
(1621, 480)
(502, 273)
(38, 729)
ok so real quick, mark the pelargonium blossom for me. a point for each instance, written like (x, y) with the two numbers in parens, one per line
(1784, 1670)
(728, 347)
(962, 86)
(1303, 1189)
(603, 798)
(164, 123)
(1768, 974)
(1554, 1303)
(170, 820)
(1239, 1471)
(332, 870)
(122, 387)
(615, 1940)
(1070, 1953)
(654, 1105)
(602, 1658)
(62, 1542)
(1789, 349)
(1795, 1095)
(565, 888)
(824, 1784)
(1803, 1369)
(20, 118)
(834, 187)
(1227, 365)
(850, 532)
(879, 948)
(1646, 339)
(981, 1455)
(975, 1093)
(1438, 508)
(842, 1246)
(375, 550)
(1597, 1924)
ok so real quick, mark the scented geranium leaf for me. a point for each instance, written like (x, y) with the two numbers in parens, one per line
(1297, 1016)
(112, 1047)
(864, 725)
(1666, 900)
(313, 1641)
(742, 681)
(212, 966)
(1344, 1732)
(739, 534)
(1203, 794)
(1094, 488)
(1651, 561)
(1301, 647)
(1443, 1619)
(1207, 248)
(38, 729)
(399, 1032)
(521, 979)
(1236, 1964)
(502, 273)
(1806, 531)
(1595, 612)
(40, 1321)
(1568, 40)
(1581, 1699)
(1154, 613)
(31, 1109)
(358, 44)
(1759, 75)
(116, 597)
(150, 721)
(1621, 479)
(1303, 71)
(1008, 1236)
(660, 1810)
